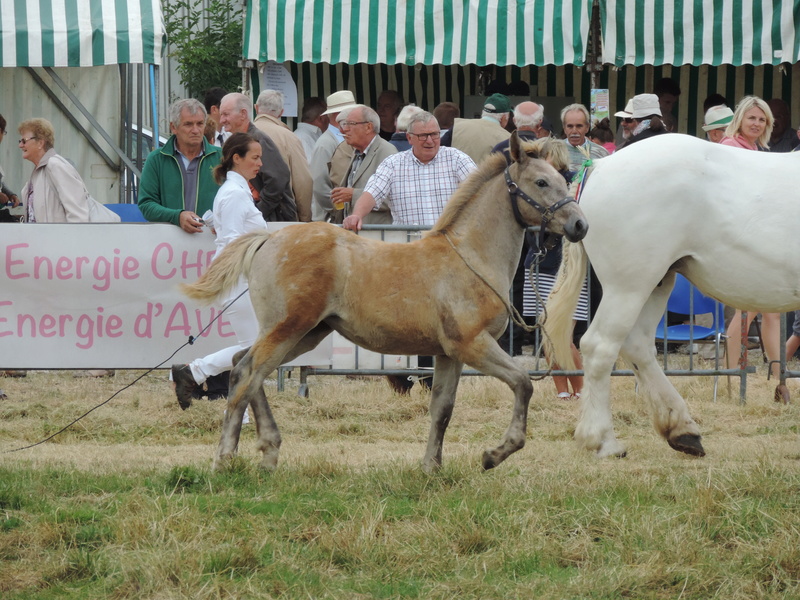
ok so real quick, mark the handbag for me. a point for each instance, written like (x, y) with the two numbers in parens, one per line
(99, 213)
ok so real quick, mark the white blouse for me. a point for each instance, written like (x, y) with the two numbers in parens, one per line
(234, 211)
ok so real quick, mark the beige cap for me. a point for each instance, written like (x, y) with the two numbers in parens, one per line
(645, 105)
(338, 101)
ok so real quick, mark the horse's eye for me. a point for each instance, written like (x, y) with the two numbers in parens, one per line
(541, 183)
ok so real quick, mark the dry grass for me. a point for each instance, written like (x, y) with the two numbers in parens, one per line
(123, 503)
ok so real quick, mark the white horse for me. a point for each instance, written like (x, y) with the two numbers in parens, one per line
(723, 217)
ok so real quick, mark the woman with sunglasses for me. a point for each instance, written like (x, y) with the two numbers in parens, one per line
(55, 193)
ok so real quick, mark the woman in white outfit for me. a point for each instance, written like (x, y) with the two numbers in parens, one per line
(234, 214)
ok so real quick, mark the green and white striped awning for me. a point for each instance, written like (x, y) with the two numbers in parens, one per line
(80, 33)
(695, 32)
(499, 32)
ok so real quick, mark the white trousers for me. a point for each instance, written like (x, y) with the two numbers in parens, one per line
(243, 319)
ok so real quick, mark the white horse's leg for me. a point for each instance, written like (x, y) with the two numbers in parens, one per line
(668, 410)
(600, 348)
(446, 375)
(488, 357)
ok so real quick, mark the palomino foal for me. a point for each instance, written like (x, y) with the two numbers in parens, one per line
(444, 295)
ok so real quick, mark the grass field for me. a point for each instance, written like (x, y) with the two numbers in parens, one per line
(124, 503)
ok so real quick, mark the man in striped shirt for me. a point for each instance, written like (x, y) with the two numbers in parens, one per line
(415, 183)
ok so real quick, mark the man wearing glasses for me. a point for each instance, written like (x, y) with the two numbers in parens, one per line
(360, 126)
(416, 183)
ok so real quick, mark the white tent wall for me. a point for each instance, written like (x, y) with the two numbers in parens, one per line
(97, 88)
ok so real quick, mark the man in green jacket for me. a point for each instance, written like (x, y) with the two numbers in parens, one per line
(177, 183)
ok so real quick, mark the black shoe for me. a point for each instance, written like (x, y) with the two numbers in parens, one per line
(185, 385)
(217, 386)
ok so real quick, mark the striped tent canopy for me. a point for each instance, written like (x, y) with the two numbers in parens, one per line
(80, 33)
(498, 32)
(700, 32)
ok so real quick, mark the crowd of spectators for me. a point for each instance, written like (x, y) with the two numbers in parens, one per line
(353, 164)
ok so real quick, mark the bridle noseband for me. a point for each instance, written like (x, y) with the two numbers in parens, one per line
(548, 212)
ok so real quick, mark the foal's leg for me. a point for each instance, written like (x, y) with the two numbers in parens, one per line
(446, 375)
(486, 355)
(247, 379)
(600, 347)
(668, 410)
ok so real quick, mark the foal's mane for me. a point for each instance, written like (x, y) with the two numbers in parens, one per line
(489, 168)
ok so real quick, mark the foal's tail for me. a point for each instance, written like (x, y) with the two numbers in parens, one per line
(233, 262)
(561, 305)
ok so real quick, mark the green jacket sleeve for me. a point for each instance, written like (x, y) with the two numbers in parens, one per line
(151, 187)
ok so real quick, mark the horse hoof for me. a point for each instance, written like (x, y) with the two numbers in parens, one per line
(615, 450)
(431, 468)
(222, 462)
(688, 444)
(489, 461)
(782, 394)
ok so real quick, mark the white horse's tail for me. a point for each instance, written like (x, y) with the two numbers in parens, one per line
(561, 305)
(234, 261)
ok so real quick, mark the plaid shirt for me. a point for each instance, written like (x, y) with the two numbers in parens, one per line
(416, 191)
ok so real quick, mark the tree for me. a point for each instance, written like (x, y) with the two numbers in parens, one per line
(207, 56)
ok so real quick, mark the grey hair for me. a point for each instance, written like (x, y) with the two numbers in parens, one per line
(576, 107)
(270, 102)
(527, 120)
(492, 115)
(405, 116)
(367, 114)
(421, 117)
(190, 104)
(240, 102)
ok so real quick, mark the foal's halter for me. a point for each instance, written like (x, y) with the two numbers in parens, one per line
(515, 193)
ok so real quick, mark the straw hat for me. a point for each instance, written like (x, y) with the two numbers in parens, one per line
(717, 117)
(627, 113)
(645, 105)
(338, 101)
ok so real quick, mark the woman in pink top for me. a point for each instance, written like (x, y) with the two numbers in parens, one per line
(750, 129)
(751, 126)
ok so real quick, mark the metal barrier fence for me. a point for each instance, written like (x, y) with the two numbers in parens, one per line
(407, 233)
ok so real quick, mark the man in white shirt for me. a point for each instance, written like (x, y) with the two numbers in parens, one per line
(313, 122)
(415, 183)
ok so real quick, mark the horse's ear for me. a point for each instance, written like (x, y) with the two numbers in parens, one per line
(518, 154)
